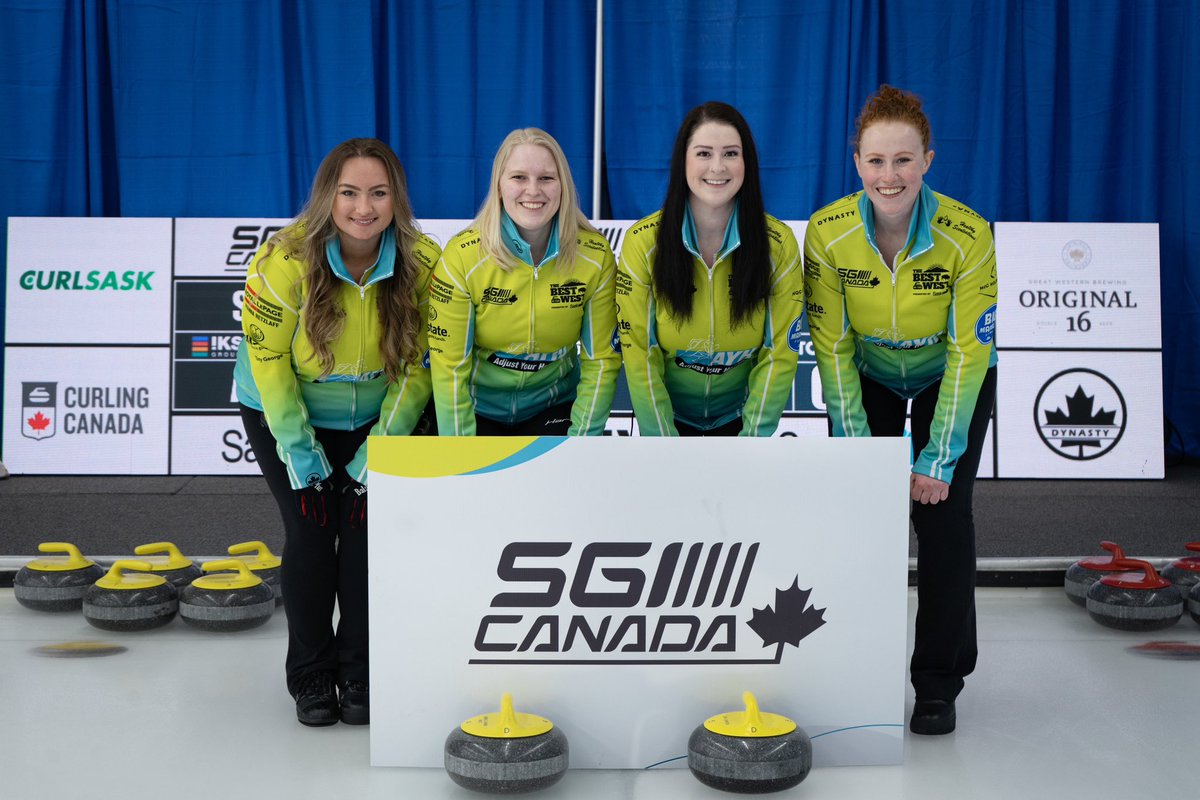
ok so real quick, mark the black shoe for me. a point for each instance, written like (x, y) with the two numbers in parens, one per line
(316, 700)
(356, 703)
(932, 717)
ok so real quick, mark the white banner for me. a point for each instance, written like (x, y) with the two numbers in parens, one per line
(88, 280)
(629, 590)
(86, 411)
(1080, 415)
(1078, 285)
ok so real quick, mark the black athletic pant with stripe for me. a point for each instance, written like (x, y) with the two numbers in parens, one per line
(945, 648)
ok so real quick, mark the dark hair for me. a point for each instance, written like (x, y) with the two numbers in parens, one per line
(890, 104)
(673, 281)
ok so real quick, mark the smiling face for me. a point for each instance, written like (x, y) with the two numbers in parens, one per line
(714, 165)
(362, 204)
(531, 189)
(891, 161)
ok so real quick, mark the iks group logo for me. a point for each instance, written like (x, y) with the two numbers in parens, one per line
(39, 409)
(638, 603)
(1080, 414)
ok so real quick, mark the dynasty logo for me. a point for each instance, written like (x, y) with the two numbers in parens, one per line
(637, 603)
(1080, 414)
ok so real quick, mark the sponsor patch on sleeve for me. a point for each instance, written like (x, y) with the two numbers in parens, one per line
(985, 326)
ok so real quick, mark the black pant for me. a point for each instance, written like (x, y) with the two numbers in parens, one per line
(320, 564)
(554, 421)
(945, 649)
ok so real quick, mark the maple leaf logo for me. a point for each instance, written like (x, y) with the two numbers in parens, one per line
(38, 421)
(789, 621)
(1079, 415)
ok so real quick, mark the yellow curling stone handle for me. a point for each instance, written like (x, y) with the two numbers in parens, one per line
(163, 556)
(256, 555)
(73, 560)
(240, 578)
(506, 723)
(141, 576)
(749, 723)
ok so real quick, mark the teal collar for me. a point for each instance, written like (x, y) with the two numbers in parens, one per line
(384, 264)
(519, 247)
(733, 238)
(920, 237)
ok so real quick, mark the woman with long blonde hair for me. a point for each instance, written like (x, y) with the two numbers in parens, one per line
(521, 318)
(333, 349)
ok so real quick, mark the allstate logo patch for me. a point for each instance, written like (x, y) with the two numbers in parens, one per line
(1076, 254)
(794, 335)
(1080, 414)
(425, 360)
(985, 326)
(616, 339)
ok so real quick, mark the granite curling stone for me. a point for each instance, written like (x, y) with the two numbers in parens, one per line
(1083, 573)
(1135, 601)
(1193, 603)
(749, 752)
(1184, 573)
(130, 598)
(226, 601)
(263, 563)
(504, 752)
(167, 562)
(57, 583)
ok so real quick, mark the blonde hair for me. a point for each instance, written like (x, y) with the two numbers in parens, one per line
(571, 220)
(314, 227)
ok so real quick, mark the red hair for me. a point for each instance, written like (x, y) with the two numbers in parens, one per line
(890, 104)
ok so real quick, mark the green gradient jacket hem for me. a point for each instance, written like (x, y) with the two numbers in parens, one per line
(277, 369)
(508, 344)
(934, 318)
(703, 372)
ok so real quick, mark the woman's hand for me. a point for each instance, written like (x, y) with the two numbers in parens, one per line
(925, 489)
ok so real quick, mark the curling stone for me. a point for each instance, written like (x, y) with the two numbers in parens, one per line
(167, 562)
(1135, 601)
(1184, 573)
(1193, 603)
(1083, 573)
(130, 598)
(263, 563)
(55, 583)
(226, 601)
(749, 751)
(504, 752)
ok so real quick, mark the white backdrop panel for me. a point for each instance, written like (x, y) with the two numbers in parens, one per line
(479, 573)
(86, 411)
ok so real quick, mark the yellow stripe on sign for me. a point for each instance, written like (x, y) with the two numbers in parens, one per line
(442, 456)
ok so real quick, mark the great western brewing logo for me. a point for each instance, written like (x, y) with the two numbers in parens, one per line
(87, 409)
(638, 603)
(1080, 414)
(1076, 254)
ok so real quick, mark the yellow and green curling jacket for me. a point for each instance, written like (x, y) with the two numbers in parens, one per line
(277, 369)
(509, 344)
(933, 318)
(702, 371)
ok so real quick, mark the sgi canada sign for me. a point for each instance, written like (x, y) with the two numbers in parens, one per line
(630, 588)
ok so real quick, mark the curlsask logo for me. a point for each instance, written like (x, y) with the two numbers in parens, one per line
(39, 409)
(637, 603)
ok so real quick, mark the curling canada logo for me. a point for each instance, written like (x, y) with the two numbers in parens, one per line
(39, 409)
(638, 603)
(1080, 414)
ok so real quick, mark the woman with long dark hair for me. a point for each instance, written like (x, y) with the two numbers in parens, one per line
(332, 350)
(710, 292)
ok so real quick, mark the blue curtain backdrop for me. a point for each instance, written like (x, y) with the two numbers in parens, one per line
(1041, 110)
